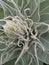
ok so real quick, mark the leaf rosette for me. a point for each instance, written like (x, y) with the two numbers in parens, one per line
(24, 32)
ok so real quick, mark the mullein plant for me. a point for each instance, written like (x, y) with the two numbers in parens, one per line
(24, 32)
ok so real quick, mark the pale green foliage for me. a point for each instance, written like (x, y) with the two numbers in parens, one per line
(24, 32)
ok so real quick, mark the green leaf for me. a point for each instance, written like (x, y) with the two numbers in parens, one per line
(10, 9)
(44, 17)
(29, 8)
(42, 0)
(25, 60)
(45, 40)
(42, 28)
(44, 11)
(1, 13)
(43, 56)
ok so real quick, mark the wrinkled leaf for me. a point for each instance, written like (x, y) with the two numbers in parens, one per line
(29, 8)
(44, 11)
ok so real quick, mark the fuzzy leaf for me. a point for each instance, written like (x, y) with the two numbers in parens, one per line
(42, 0)
(32, 10)
(9, 8)
(24, 61)
(44, 11)
(43, 56)
(29, 8)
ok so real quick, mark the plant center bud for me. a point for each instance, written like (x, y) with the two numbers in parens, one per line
(15, 27)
